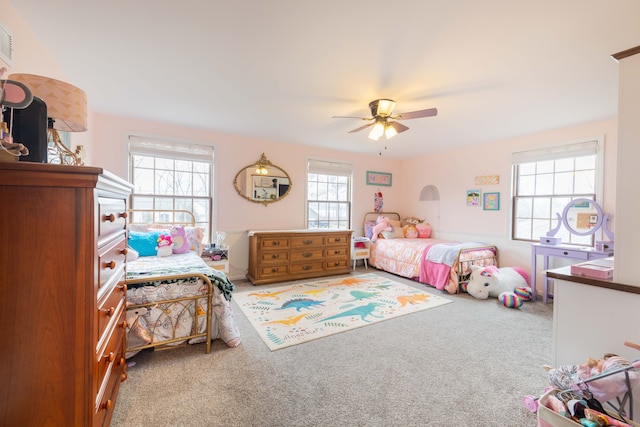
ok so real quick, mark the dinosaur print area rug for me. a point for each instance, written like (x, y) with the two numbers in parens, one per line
(306, 311)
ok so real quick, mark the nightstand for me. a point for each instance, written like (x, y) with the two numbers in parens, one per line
(217, 258)
(360, 247)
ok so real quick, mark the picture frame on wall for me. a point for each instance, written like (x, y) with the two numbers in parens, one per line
(379, 178)
(491, 201)
(473, 197)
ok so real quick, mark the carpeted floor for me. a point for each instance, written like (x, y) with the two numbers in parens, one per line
(301, 312)
(468, 363)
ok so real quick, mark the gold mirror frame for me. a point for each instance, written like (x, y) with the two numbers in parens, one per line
(270, 182)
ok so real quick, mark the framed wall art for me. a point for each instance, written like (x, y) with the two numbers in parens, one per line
(491, 201)
(379, 178)
(473, 197)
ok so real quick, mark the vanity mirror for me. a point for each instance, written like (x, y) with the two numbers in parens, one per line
(262, 182)
(583, 217)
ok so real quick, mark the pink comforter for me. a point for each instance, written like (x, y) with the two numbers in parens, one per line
(408, 258)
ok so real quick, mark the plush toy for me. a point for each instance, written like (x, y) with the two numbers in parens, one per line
(165, 245)
(509, 284)
(181, 244)
(382, 224)
(410, 231)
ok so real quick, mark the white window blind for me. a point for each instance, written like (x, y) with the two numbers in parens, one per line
(556, 152)
(169, 149)
(330, 168)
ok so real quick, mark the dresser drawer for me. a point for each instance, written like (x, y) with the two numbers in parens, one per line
(109, 303)
(274, 242)
(567, 253)
(306, 254)
(337, 252)
(112, 214)
(338, 239)
(304, 241)
(274, 271)
(274, 257)
(337, 264)
(111, 261)
(110, 372)
(307, 267)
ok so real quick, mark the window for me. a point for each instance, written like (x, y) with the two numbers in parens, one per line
(169, 175)
(546, 180)
(328, 194)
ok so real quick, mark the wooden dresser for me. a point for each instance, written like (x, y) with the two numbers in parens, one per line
(276, 256)
(62, 294)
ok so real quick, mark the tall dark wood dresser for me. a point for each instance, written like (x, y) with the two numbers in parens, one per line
(62, 294)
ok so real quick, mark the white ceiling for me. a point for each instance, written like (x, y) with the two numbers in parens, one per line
(279, 69)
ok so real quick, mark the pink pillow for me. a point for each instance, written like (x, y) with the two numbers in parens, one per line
(424, 231)
(181, 244)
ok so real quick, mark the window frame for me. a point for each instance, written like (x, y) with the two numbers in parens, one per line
(330, 168)
(562, 150)
(164, 148)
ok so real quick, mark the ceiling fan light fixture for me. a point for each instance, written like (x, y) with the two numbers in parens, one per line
(390, 131)
(377, 131)
(382, 107)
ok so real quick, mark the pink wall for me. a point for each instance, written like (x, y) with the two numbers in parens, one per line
(108, 149)
(452, 172)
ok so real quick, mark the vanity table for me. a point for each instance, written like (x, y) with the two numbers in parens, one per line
(582, 217)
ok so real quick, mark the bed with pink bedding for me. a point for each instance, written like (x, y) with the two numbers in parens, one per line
(439, 263)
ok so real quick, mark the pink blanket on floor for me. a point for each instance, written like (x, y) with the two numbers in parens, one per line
(434, 274)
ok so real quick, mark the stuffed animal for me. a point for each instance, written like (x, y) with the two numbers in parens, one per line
(410, 231)
(181, 244)
(165, 245)
(382, 224)
(509, 284)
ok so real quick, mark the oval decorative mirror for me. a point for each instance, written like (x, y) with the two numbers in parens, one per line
(262, 182)
(583, 217)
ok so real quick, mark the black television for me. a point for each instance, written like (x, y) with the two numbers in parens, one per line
(28, 126)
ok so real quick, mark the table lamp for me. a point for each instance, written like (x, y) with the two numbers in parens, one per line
(66, 111)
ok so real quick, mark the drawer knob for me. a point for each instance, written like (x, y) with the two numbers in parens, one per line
(274, 270)
(123, 215)
(124, 251)
(307, 267)
(110, 264)
(124, 324)
(275, 243)
(109, 312)
(123, 377)
(275, 256)
(123, 287)
(106, 405)
(109, 357)
(110, 218)
(307, 254)
(566, 253)
(307, 242)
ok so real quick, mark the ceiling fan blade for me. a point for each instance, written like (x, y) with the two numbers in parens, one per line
(361, 127)
(351, 117)
(399, 127)
(429, 112)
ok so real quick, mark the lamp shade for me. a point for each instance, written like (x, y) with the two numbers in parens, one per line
(66, 104)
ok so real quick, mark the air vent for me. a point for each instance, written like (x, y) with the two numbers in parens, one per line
(6, 46)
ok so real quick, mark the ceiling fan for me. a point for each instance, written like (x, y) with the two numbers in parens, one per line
(382, 120)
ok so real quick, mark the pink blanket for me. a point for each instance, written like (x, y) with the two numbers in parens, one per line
(435, 274)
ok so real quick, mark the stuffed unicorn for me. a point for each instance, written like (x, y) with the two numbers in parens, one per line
(382, 224)
(509, 284)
